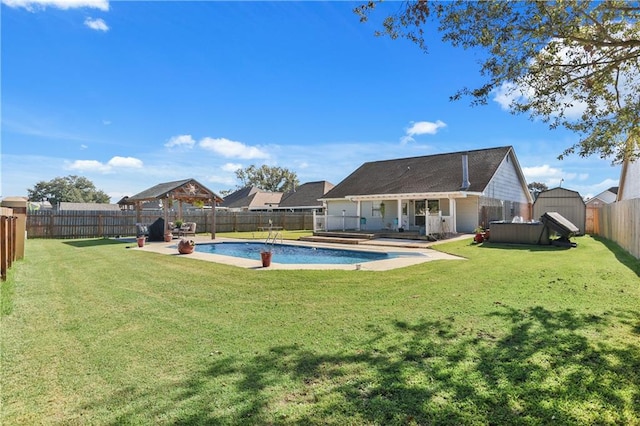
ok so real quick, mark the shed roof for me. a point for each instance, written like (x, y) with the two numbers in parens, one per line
(431, 173)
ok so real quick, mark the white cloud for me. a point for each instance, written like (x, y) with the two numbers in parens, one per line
(231, 167)
(96, 24)
(83, 146)
(232, 149)
(96, 166)
(89, 165)
(422, 128)
(509, 92)
(32, 5)
(185, 141)
(548, 175)
(128, 162)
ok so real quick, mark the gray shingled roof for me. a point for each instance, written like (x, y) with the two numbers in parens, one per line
(431, 173)
(306, 195)
(251, 197)
(162, 189)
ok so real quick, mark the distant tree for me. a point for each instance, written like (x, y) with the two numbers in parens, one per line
(570, 63)
(72, 189)
(276, 179)
(537, 187)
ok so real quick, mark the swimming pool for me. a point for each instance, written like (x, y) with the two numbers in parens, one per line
(290, 254)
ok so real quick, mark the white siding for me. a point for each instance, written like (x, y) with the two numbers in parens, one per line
(505, 184)
(632, 181)
(466, 214)
(334, 208)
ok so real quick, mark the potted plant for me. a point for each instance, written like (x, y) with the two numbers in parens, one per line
(186, 246)
(265, 255)
(179, 223)
(479, 231)
(168, 236)
(140, 239)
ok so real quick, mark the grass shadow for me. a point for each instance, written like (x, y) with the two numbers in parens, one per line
(540, 368)
(621, 254)
(98, 242)
(521, 247)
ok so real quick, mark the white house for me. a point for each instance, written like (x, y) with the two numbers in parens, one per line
(442, 193)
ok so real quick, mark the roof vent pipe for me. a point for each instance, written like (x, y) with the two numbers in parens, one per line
(465, 172)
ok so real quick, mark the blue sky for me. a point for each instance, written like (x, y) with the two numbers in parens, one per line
(131, 94)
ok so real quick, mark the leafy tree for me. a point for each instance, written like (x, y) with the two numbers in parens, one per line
(570, 63)
(275, 179)
(67, 189)
(536, 188)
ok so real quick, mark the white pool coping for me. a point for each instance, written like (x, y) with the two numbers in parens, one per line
(417, 252)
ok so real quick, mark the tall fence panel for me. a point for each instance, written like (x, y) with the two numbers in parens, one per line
(620, 222)
(96, 224)
(8, 239)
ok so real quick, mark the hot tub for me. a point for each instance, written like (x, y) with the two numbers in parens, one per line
(519, 233)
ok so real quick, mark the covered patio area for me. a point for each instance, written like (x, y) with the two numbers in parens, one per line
(182, 191)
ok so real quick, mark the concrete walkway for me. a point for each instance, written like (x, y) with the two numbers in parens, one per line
(406, 253)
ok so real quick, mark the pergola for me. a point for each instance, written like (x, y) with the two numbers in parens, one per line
(181, 191)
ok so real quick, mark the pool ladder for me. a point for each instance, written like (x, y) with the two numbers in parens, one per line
(273, 236)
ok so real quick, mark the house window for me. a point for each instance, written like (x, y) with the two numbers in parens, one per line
(376, 211)
(420, 208)
(433, 206)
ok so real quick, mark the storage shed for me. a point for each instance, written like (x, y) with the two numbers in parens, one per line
(564, 201)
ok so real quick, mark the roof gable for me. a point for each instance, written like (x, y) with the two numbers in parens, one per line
(432, 173)
(186, 189)
(306, 195)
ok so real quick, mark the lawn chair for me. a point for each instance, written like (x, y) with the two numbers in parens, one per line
(187, 228)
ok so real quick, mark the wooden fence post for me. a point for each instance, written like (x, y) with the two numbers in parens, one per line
(3, 247)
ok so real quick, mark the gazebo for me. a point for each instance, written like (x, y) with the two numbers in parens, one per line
(187, 190)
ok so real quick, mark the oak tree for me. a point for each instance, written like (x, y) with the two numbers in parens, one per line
(72, 189)
(573, 64)
(276, 179)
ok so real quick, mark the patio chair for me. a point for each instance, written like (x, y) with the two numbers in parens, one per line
(187, 228)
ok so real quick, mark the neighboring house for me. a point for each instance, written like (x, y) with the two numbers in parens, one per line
(306, 197)
(629, 181)
(88, 206)
(443, 193)
(251, 198)
(564, 201)
(594, 204)
(605, 197)
(125, 204)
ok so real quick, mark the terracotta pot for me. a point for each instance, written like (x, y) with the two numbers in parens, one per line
(266, 258)
(184, 247)
(168, 238)
(140, 241)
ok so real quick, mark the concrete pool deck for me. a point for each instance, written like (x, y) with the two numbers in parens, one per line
(417, 252)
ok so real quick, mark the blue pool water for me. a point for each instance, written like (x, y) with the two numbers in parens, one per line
(289, 254)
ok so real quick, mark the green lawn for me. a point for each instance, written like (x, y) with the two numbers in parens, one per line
(95, 333)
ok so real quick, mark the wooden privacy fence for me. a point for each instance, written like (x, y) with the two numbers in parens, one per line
(8, 240)
(620, 222)
(93, 224)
